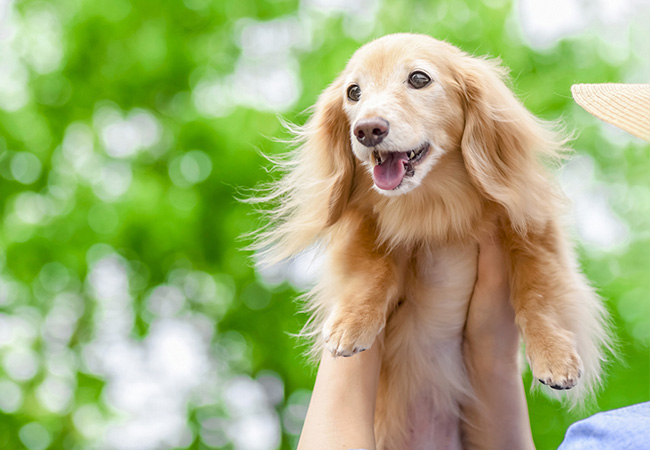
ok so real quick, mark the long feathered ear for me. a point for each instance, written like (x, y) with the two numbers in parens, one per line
(504, 146)
(330, 150)
(316, 186)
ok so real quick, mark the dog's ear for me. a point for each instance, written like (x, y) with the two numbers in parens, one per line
(327, 147)
(504, 145)
(317, 184)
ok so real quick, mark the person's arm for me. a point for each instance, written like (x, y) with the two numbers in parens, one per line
(499, 417)
(341, 412)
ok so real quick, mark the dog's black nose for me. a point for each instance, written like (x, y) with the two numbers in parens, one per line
(372, 131)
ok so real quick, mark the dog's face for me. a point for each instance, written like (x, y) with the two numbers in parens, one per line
(402, 112)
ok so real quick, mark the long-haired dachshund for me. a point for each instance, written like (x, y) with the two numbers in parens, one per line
(409, 155)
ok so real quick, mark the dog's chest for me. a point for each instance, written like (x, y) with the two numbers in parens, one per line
(440, 283)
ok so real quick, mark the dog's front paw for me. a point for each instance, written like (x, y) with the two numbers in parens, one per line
(554, 362)
(349, 332)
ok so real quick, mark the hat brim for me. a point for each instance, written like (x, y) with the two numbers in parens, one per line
(626, 106)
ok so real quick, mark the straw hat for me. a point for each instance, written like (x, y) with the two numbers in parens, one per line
(626, 106)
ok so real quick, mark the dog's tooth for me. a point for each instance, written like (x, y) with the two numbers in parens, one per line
(411, 154)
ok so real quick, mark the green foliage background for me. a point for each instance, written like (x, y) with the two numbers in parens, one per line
(164, 212)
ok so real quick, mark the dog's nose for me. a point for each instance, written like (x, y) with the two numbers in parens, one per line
(372, 131)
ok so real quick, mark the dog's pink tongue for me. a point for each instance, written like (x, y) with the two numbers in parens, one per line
(389, 174)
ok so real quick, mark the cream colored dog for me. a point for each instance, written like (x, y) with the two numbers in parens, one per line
(410, 154)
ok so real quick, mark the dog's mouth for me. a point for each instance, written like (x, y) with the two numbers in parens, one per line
(392, 167)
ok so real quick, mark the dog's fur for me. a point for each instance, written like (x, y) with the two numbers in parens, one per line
(416, 245)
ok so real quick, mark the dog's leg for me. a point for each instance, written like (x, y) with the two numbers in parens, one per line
(363, 284)
(545, 307)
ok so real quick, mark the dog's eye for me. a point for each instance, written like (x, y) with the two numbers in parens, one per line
(354, 92)
(419, 79)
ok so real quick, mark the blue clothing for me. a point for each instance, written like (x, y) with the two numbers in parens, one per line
(621, 429)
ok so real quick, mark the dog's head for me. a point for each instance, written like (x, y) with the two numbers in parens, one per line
(407, 100)
(403, 106)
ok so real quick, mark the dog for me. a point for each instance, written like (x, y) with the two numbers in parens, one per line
(410, 154)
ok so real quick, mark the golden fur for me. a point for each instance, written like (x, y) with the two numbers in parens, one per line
(417, 245)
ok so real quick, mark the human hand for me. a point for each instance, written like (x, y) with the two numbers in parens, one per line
(497, 416)
(490, 332)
